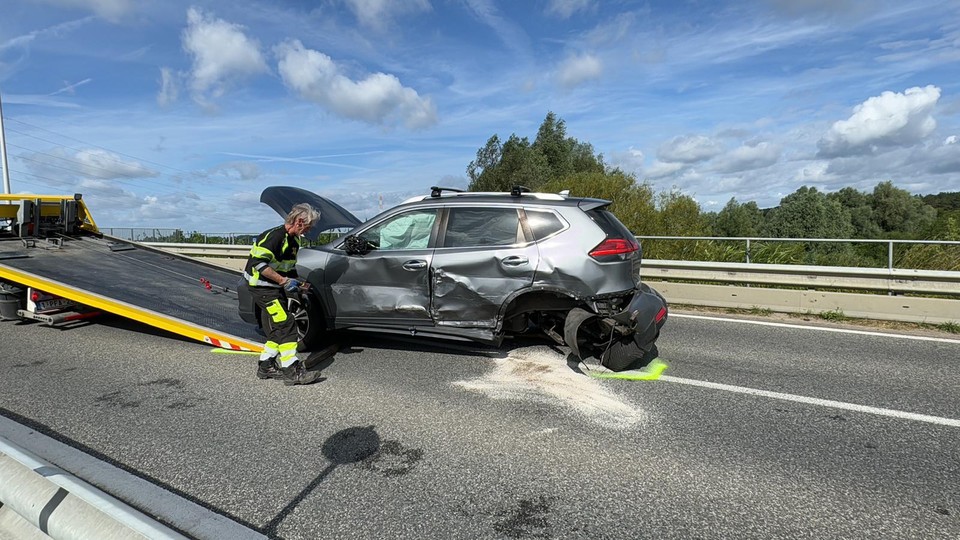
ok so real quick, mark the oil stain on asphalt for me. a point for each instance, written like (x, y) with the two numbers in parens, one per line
(166, 393)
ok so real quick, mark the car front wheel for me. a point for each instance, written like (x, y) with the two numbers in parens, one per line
(310, 327)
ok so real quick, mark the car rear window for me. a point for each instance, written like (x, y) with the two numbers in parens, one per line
(609, 223)
(543, 223)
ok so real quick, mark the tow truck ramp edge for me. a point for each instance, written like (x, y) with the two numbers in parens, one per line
(35, 253)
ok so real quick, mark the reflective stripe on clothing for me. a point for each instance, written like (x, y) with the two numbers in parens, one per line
(274, 248)
(282, 335)
(288, 354)
(269, 351)
(276, 311)
(254, 282)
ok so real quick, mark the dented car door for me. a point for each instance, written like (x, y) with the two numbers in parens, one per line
(482, 257)
(390, 283)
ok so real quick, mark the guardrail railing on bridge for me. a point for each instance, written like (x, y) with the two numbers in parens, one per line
(926, 296)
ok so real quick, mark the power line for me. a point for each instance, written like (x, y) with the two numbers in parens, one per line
(69, 160)
(88, 144)
(138, 184)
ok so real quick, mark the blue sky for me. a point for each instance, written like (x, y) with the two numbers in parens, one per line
(177, 114)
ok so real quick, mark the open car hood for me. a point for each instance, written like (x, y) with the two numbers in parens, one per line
(332, 215)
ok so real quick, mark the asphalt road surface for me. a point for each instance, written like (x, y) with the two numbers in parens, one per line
(754, 431)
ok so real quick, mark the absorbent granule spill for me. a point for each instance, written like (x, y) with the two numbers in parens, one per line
(541, 374)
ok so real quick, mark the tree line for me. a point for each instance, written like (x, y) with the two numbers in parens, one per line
(554, 161)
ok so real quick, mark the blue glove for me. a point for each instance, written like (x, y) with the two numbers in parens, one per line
(291, 285)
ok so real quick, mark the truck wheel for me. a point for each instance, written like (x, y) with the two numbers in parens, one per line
(12, 298)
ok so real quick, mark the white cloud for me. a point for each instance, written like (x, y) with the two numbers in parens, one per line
(174, 207)
(629, 160)
(169, 87)
(64, 167)
(579, 69)
(749, 157)
(659, 169)
(689, 149)
(888, 120)
(945, 159)
(96, 163)
(222, 54)
(565, 8)
(380, 13)
(815, 173)
(378, 99)
(951, 140)
(112, 10)
(237, 170)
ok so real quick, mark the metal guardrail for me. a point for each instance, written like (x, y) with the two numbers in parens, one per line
(173, 235)
(750, 241)
(890, 280)
(922, 296)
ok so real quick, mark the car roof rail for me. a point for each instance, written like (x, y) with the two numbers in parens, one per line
(436, 191)
(519, 190)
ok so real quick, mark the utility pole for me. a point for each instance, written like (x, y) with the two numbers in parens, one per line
(3, 153)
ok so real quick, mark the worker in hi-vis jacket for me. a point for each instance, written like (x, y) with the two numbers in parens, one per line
(270, 270)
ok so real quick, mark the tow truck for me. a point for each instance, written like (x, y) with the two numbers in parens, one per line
(56, 267)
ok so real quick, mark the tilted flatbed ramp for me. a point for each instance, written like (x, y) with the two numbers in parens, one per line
(51, 243)
(161, 289)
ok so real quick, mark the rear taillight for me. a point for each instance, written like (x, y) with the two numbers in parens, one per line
(614, 246)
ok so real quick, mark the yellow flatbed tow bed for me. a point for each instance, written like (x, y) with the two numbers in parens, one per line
(52, 244)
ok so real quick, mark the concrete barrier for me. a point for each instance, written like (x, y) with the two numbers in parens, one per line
(36, 451)
(43, 501)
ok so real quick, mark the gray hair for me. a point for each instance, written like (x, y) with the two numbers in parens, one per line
(303, 210)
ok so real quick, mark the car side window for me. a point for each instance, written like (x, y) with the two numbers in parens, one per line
(410, 230)
(474, 227)
(543, 223)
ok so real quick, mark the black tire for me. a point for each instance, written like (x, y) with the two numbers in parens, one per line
(310, 323)
(578, 334)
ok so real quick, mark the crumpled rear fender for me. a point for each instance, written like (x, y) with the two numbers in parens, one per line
(645, 315)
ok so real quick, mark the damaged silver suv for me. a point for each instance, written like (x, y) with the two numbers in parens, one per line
(480, 266)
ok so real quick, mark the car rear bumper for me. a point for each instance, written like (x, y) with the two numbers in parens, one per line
(645, 315)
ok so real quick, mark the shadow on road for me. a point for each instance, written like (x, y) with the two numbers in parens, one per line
(351, 445)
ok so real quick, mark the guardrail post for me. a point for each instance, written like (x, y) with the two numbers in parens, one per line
(748, 251)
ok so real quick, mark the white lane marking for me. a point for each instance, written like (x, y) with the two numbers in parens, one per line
(821, 328)
(817, 401)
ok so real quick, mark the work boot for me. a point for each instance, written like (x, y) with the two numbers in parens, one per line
(267, 369)
(297, 374)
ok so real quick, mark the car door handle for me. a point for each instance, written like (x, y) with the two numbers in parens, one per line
(514, 260)
(414, 265)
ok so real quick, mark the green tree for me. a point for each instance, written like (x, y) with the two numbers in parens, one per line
(519, 164)
(500, 166)
(737, 219)
(564, 155)
(679, 215)
(899, 213)
(487, 159)
(808, 213)
(860, 207)
(632, 204)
